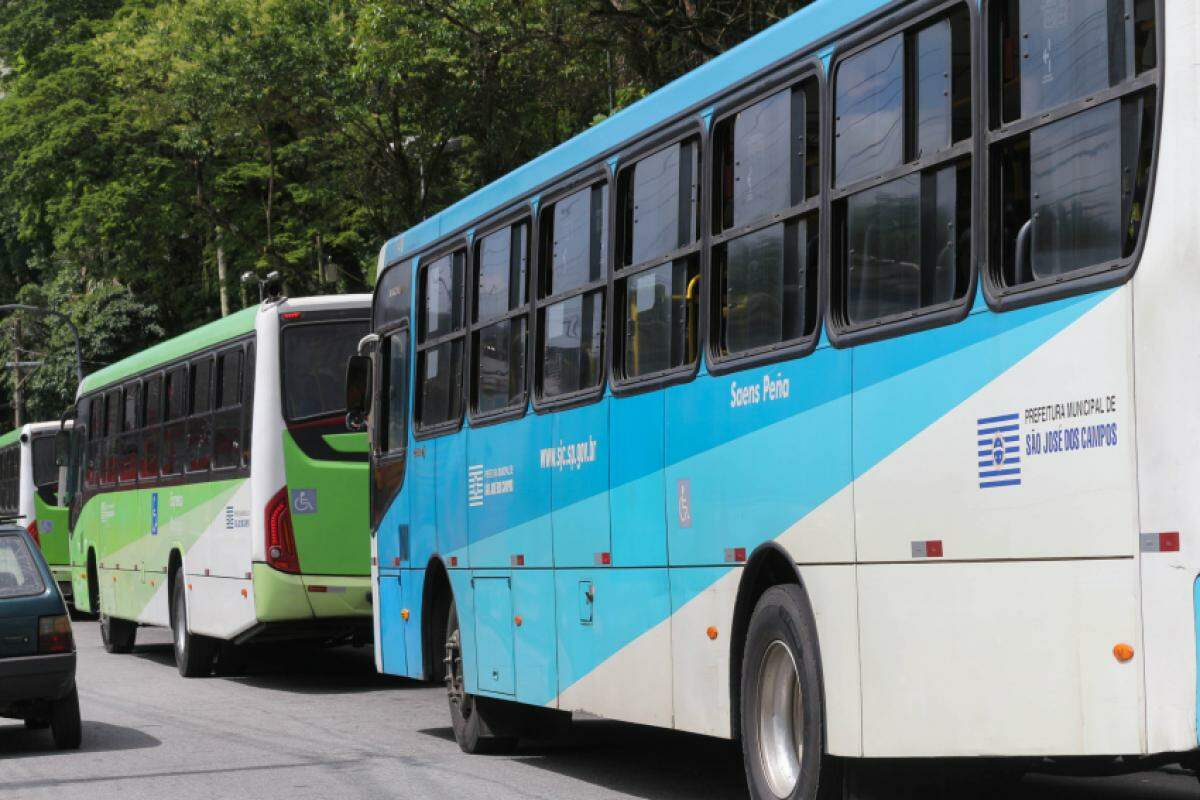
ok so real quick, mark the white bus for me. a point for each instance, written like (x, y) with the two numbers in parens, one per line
(29, 491)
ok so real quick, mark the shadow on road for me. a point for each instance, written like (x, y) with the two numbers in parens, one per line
(98, 737)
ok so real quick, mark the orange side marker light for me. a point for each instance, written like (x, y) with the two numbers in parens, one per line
(245, 593)
(712, 632)
(517, 620)
(1123, 652)
(404, 615)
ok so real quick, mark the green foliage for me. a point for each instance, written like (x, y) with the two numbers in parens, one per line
(143, 142)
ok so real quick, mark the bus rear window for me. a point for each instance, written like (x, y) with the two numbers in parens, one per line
(45, 471)
(314, 367)
(19, 575)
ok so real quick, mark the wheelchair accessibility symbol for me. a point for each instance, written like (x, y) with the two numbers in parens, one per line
(304, 501)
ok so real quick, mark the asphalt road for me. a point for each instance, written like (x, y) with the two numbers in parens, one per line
(307, 723)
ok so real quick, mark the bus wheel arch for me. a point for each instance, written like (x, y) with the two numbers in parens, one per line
(436, 596)
(93, 581)
(174, 568)
(769, 565)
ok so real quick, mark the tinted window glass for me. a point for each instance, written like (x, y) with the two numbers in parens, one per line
(1076, 182)
(19, 574)
(660, 317)
(500, 379)
(572, 331)
(201, 384)
(176, 399)
(1065, 51)
(152, 400)
(130, 422)
(659, 203)
(396, 383)
(766, 137)
(114, 407)
(229, 378)
(933, 50)
(574, 240)
(45, 471)
(393, 294)
(503, 266)
(314, 366)
(765, 291)
(442, 287)
(440, 369)
(869, 105)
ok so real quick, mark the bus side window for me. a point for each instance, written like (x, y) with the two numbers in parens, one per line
(199, 425)
(1069, 187)
(127, 448)
(440, 342)
(393, 421)
(174, 438)
(95, 436)
(151, 427)
(903, 175)
(500, 322)
(247, 404)
(112, 428)
(9, 479)
(765, 225)
(657, 303)
(227, 422)
(572, 286)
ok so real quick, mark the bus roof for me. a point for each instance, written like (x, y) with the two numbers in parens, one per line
(10, 438)
(812, 25)
(214, 332)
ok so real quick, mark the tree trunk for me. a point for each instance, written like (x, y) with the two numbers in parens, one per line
(222, 277)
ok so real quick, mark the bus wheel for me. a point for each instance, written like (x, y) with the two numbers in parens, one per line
(469, 714)
(118, 635)
(193, 653)
(782, 710)
(230, 659)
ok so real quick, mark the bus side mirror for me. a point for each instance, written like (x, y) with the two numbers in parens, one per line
(358, 391)
(62, 448)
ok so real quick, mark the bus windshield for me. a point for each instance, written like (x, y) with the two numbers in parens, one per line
(314, 367)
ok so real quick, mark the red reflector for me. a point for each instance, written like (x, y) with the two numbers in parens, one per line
(735, 554)
(933, 548)
(454, 561)
(603, 559)
(396, 561)
(290, 315)
(318, 589)
(518, 560)
(1168, 542)
(281, 541)
(33, 533)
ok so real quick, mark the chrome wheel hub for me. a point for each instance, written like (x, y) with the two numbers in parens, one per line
(780, 713)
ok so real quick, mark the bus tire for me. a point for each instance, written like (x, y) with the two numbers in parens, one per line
(65, 724)
(193, 653)
(118, 635)
(473, 718)
(782, 702)
(230, 659)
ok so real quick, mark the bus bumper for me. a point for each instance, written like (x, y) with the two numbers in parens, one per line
(282, 597)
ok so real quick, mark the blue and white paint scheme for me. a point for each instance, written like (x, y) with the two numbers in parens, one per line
(963, 505)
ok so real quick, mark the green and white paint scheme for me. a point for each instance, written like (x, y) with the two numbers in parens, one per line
(39, 504)
(131, 542)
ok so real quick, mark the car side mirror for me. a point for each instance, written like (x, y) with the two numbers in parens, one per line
(358, 391)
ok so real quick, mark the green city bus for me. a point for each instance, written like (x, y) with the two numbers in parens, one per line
(214, 486)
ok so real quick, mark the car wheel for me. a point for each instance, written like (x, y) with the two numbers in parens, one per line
(782, 705)
(118, 635)
(193, 653)
(36, 723)
(470, 715)
(65, 724)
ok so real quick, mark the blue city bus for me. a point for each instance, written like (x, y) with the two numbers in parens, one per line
(828, 399)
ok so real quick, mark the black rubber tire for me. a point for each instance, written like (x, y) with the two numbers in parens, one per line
(473, 718)
(37, 723)
(118, 635)
(65, 724)
(193, 653)
(783, 615)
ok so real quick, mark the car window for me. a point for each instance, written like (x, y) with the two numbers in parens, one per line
(19, 573)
